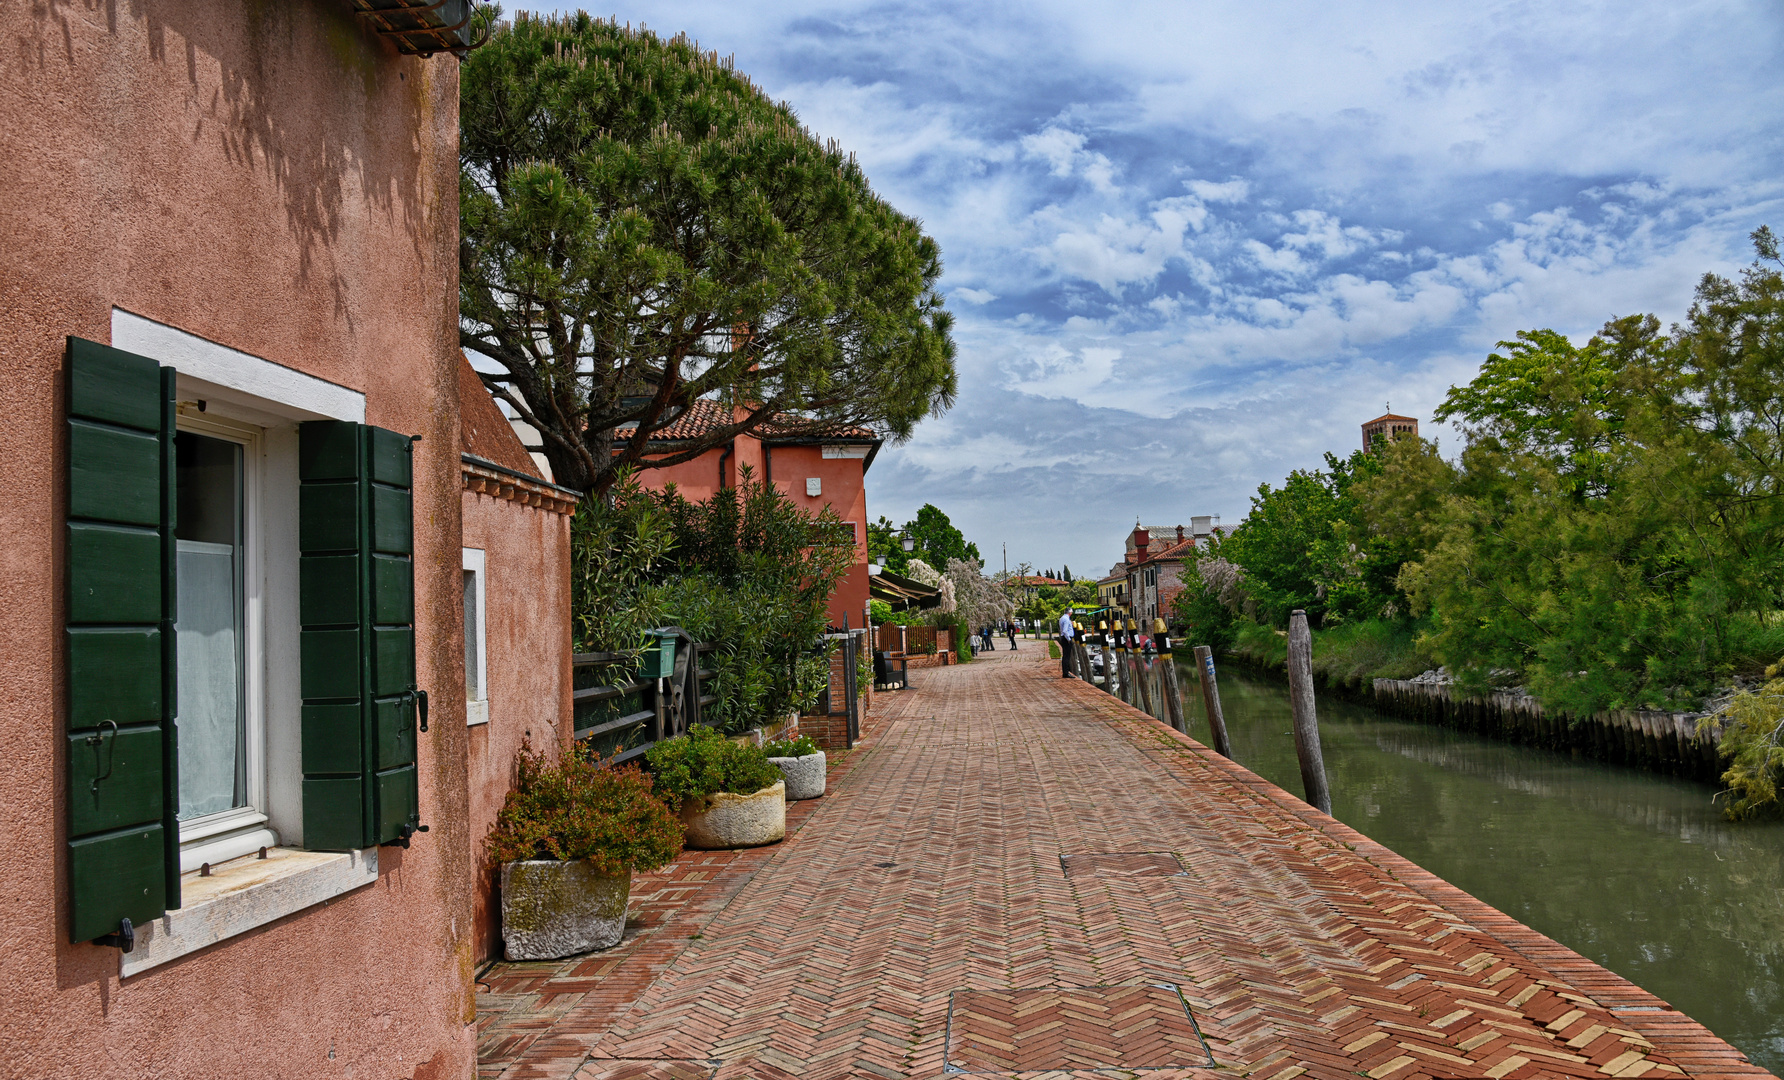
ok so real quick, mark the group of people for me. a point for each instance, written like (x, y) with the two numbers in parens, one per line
(988, 633)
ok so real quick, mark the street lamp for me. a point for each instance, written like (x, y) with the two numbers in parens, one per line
(907, 541)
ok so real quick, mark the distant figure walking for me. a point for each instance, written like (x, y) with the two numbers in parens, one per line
(1010, 632)
(1066, 633)
(985, 636)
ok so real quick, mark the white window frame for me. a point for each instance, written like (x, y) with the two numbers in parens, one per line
(477, 709)
(225, 835)
(244, 391)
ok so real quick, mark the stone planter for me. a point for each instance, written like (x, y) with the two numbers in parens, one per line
(552, 909)
(723, 820)
(805, 775)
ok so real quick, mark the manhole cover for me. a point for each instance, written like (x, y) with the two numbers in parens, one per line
(1122, 864)
(1093, 1027)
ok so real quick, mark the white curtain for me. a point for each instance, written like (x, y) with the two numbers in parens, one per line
(210, 693)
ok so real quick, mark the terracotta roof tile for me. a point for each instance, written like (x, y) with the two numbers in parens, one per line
(704, 415)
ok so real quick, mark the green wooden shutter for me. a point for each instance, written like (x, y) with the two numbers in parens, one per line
(357, 611)
(123, 771)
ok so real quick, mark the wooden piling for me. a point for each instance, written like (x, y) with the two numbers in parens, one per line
(1173, 696)
(1141, 683)
(1300, 693)
(1211, 701)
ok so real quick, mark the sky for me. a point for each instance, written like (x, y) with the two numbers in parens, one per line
(1191, 247)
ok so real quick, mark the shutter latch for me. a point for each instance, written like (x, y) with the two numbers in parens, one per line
(124, 939)
(403, 833)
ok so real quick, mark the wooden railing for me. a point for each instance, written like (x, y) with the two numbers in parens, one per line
(624, 715)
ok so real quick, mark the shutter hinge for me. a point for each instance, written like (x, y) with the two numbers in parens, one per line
(124, 939)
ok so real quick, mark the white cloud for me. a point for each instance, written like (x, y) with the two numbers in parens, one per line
(973, 296)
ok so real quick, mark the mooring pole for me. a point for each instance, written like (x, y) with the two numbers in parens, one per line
(1173, 697)
(1211, 701)
(1300, 695)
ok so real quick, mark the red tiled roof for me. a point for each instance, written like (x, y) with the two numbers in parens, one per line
(704, 415)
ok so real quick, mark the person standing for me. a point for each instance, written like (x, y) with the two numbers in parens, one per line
(1010, 632)
(1066, 633)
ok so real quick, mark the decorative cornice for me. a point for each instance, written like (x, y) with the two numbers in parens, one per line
(488, 478)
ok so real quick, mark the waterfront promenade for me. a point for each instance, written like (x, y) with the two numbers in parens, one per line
(1016, 874)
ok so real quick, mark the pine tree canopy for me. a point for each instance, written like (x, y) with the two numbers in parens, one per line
(642, 228)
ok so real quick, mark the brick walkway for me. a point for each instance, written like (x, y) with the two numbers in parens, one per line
(1018, 875)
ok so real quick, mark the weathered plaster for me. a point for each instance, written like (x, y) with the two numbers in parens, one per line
(271, 178)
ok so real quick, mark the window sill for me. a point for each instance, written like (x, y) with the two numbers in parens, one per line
(476, 712)
(245, 893)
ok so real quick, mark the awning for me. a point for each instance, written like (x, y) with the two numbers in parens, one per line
(901, 592)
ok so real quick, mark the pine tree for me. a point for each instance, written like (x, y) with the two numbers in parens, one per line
(642, 228)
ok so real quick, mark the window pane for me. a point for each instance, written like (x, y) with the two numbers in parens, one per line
(473, 647)
(212, 714)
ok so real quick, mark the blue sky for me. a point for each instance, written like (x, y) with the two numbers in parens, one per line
(1191, 247)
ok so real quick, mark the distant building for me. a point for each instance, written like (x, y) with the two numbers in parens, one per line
(1389, 426)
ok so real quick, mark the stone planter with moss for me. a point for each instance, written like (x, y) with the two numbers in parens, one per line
(567, 839)
(726, 793)
(802, 765)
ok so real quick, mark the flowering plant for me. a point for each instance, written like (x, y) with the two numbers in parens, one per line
(574, 808)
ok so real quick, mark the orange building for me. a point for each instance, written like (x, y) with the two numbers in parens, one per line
(826, 467)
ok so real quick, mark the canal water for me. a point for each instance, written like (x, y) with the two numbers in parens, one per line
(1635, 871)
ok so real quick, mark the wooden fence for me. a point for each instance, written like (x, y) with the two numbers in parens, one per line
(624, 715)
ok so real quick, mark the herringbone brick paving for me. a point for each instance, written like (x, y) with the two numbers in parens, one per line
(934, 867)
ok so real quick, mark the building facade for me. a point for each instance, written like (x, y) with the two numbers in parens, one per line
(239, 759)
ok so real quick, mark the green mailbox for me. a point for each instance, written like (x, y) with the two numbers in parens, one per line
(658, 659)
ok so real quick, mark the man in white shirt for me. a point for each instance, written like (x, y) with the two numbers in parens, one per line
(1066, 633)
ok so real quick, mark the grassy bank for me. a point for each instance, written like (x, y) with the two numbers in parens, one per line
(1348, 655)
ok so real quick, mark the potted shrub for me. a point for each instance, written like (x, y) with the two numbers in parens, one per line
(802, 765)
(568, 837)
(727, 793)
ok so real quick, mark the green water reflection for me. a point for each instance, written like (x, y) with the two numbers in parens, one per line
(1635, 871)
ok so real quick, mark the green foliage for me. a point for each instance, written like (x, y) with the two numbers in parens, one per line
(885, 547)
(1753, 740)
(1308, 545)
(938, 541)
(879, 612)
(641, 228)
(1352, 653)
(617, 547)
(800, 747)
(573, 808)
(1200, 612)
(748, 570)
(753, 573)
(704, 762)
(1609, 532)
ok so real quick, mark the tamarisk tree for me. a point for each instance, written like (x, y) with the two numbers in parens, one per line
(644, 230)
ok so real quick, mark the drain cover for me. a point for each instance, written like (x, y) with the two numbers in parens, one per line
(1122, 864)
(1147, 1026)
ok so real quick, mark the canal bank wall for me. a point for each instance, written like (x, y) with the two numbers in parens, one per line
(1651, 739)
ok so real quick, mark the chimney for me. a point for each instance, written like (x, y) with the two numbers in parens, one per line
(1179, 534)
(1142, 540)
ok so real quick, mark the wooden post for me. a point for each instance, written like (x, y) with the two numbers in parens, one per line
(1141, 683)
(1211, 701)
(1084, 671)
(1300, 695)
(1173, 696)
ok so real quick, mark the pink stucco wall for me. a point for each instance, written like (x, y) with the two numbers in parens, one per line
(273, 178)
(527, 627)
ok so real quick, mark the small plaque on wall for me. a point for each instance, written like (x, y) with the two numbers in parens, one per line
(814, 486)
